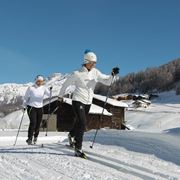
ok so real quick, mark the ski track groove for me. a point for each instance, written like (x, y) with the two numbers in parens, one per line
(74, 158)
(127, 170)
(166, 176)
(35, 162)
(54, 171)
(130, 165)
(47, 166)
(64, 152)
(17, 166)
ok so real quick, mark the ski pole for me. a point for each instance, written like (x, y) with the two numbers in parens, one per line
(101, 117)
(19, 127)
(49, 109)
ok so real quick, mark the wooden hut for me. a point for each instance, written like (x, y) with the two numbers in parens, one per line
(116, 108)
(62, 116)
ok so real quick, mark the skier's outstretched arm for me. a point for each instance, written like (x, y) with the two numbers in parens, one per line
(104, 79)
(48, 92)
(69, 81)
(26, 98)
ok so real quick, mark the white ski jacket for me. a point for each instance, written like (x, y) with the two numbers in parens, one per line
(85, 82)
(34, 96)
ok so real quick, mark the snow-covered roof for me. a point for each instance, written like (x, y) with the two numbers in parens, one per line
(146, 101)
(111, 101)
(93, 110)
(46, 101)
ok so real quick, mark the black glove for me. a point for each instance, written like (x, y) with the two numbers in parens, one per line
(50, 88)
(115, 71)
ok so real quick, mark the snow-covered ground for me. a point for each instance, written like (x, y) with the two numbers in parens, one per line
(116, 155)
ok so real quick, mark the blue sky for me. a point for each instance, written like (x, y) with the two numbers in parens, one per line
(48, 36)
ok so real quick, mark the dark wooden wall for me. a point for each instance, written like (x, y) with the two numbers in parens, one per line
(118, 114)
(95, 121)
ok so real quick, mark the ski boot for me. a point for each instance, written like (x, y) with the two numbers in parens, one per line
(35, 140)
(80, 153)
(71, 141)
(29, 141)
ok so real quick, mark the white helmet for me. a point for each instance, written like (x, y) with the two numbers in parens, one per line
(39, 78)
(89, 56)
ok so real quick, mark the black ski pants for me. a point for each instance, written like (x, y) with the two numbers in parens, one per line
(35, 117)
(81, 111)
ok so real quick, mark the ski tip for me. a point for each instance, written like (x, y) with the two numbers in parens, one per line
(82, 157)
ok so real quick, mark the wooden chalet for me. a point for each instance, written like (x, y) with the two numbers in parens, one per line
(62, 116)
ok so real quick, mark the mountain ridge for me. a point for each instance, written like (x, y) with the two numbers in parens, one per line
(153, 79)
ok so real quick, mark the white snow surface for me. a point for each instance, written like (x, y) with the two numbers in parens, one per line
(116, 155)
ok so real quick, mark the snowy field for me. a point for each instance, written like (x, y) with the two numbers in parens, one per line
(116, 155)
(150, 151)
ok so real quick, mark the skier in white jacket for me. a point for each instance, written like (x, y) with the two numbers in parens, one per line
(84, 81)
(33, 102)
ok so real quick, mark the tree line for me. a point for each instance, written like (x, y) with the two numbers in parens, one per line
(151, 80)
